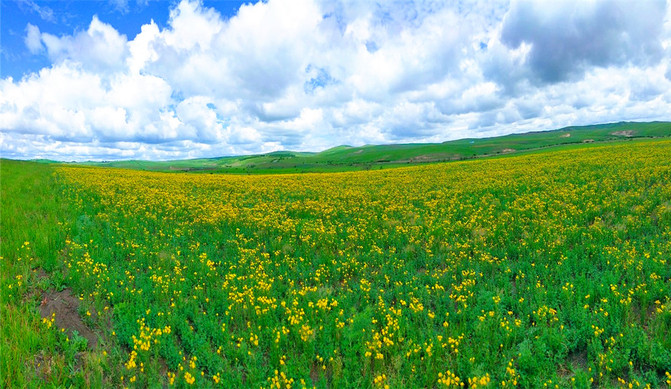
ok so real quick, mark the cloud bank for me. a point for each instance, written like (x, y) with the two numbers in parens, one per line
(310, 74)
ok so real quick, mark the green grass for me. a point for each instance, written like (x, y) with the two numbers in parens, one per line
(34, 221)
(547, 268)
(346, 158)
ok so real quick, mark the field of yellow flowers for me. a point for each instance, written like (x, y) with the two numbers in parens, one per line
(548, 269)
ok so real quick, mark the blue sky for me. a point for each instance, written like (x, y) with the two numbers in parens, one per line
(153, 79)
(63, 17)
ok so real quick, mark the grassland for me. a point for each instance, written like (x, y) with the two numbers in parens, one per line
(32, 236)
(346, 158)
(542, 269)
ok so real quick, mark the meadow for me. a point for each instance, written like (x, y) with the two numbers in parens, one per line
(543, 270)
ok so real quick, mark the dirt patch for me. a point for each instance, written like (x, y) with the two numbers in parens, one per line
(588, 141)
(65, 306)
(45, 364)
(626, 133)
(40, 273)
(315, 373)
(565, 136)
(578, 359)
(508, 150)
(423, 158)
(357, 152)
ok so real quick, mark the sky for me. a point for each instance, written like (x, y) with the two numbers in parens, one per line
(158, 80)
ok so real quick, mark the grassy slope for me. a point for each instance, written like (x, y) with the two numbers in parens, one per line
(560, 237)
(344, 158)
(32, 210)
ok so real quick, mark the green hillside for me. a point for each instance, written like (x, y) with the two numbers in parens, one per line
(343, 158)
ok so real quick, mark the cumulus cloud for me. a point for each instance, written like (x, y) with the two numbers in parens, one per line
(312, 74)
(567, 38)
(100, 48)
(33, 39)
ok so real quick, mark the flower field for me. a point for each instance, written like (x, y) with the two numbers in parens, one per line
(547, 269)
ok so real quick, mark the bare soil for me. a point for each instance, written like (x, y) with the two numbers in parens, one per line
(423, 158)
(65, 305)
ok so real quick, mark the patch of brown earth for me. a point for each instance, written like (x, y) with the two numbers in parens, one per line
(65, 306)
(575, 361)
(45, 364)
(565, 136)
(508, 150)
(315, 373)
(578, 359)
(626, 133)
(40, 273)
(588, 141)
(423, 158)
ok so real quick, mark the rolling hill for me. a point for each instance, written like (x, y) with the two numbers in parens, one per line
(344, 158)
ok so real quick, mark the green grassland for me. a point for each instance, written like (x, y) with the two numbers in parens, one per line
(346, 158)
(548, 268)
(33, 218)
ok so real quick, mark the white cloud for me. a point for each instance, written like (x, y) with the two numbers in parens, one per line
(141, 49)
(120, 5)
(33, 40)
(567, 38)
(100, 48)
(312, 74)
(200, 117)
(139, 92)
(44, 12)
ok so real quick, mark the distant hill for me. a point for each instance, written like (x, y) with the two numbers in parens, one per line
(342, 158)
